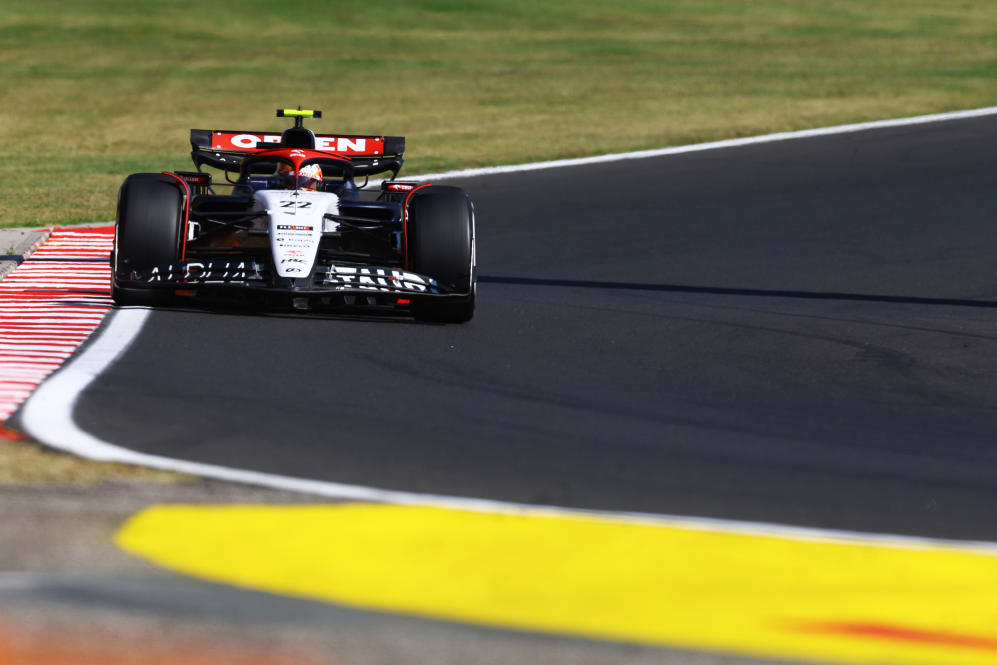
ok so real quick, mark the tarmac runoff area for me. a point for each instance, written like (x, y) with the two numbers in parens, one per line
(68, 595)
(70, 591)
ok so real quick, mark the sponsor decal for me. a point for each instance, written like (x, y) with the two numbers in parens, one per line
(340, 278)
(195, 179)
(399, 187)
(378, 279)
(292, 227)
(355, 146)
(363, 145)
(231, 141)
(210, 272)
(295, 204)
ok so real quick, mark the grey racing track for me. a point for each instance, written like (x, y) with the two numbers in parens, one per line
(802, 332)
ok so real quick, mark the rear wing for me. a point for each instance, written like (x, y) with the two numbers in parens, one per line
(225, 149)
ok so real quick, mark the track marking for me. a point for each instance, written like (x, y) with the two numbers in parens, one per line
(712, 145)
(597, 576)
(47, 415)
(39, 302)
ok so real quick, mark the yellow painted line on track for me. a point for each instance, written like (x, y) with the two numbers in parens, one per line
(597, 576)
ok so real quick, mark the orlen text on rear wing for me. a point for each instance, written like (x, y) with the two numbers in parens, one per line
(225, 149)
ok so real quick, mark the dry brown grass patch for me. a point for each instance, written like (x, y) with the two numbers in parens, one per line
(23, 463)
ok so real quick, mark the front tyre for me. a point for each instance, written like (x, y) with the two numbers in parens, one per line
(440, 240)
(148, 232)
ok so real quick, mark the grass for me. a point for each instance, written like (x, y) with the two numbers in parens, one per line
(26, 464)
(96, 90)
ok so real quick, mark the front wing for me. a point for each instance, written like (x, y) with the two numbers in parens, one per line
(219, 274)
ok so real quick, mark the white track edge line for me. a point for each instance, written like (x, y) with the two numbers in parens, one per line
(48, 417)
(712, 145)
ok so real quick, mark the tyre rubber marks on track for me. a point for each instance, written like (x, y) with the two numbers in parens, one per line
(48, 306)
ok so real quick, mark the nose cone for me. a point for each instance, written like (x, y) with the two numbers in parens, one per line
(296, 218)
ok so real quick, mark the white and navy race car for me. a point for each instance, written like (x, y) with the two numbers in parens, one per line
(293, 229)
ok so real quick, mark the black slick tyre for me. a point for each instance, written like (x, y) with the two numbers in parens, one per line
(148, 232)
(440, 237)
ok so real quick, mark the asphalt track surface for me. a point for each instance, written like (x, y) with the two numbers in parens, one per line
(799, 332)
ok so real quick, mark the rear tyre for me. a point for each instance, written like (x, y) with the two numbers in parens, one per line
(148, 232)
(441, 245)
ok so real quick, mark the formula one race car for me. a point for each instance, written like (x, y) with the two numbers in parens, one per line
(294, 229)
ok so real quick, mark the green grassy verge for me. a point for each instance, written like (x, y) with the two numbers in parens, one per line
(95, 90)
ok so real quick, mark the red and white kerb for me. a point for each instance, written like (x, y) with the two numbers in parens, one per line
(48, 306)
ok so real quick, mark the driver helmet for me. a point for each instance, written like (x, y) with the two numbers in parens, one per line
(310, 177)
